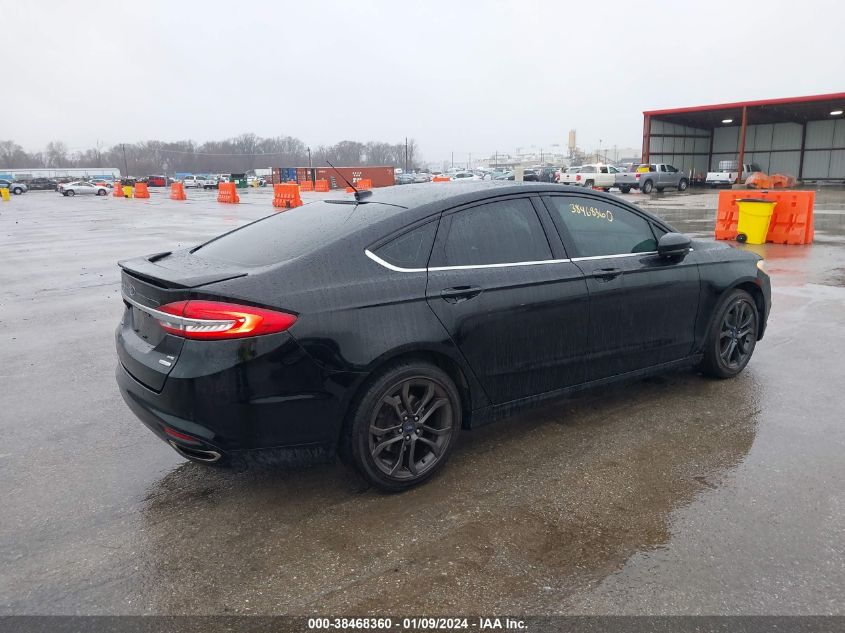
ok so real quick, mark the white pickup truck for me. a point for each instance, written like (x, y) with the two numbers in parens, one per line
(602, 176)
(728, 172)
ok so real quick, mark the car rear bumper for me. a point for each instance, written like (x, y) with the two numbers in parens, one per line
(230, 396)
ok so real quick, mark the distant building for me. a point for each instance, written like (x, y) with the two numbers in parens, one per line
(60, 172)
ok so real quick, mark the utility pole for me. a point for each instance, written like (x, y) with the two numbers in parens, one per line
(125, 164)
(406, 154)
(310, 168)
(453, 159)
(469, 162)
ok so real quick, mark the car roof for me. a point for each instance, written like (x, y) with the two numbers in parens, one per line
(438, 196)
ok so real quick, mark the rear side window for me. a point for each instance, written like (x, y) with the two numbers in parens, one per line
(598, 228)
(410, 250)
(503, 232)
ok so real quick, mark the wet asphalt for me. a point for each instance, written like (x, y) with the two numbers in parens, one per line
(673, 495)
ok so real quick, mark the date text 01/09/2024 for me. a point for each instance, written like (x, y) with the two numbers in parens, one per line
(416, 623)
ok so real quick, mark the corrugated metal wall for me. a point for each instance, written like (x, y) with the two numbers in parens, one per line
(684, 147)
(776, 148)
(821, 160)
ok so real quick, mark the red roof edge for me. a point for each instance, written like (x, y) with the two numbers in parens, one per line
(834, 96)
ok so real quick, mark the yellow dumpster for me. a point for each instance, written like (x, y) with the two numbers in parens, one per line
(127, 191)
(754, 217)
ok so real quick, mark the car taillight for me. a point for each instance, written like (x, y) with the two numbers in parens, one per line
(578, 177)
(216, 320)
(638, 174)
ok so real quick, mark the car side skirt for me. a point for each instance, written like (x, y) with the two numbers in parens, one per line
(496, 412)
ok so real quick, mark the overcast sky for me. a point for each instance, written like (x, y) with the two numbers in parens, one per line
(457, 76)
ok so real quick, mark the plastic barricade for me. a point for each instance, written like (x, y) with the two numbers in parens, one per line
(791, 223)
(141, 190)
(118, 189)
(4, 194)
(321, 185)
(127, 191)
(286, 196)
(441, 179)
(177, 191)
(306, 185)
(226, 192)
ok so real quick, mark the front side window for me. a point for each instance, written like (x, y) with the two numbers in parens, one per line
(503, 232)
(671, 169)
(598, 228)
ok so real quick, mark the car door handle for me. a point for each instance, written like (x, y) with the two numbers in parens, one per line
(606, 274)
(460, 293)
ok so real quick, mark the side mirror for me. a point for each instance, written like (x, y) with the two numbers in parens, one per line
(673, 245)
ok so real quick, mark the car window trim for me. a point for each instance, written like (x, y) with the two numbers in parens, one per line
(565, 260)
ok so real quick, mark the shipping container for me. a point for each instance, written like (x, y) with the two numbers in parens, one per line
(380, 176)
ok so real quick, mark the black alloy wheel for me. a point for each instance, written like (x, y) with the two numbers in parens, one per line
(732, 337)
(405, 426)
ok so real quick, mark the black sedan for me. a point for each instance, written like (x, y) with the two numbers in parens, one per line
(379, 327)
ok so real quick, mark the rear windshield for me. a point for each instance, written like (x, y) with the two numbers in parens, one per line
(287, 235)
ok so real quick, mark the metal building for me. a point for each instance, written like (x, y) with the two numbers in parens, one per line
(800, 136)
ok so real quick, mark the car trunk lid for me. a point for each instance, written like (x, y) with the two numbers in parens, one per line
(145, 349)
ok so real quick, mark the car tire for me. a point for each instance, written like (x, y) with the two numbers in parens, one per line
(70, 192)
(385, 417)
(647, 186)
(101, 192)
(589, 184)
(17, 191)
(625, 189)
(732, 336)
(682, 186)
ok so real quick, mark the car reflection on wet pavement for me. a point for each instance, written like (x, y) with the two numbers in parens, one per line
(676, 494)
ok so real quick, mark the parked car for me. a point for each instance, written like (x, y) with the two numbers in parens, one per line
(243, 344)
(504, 175)
(567, 176)
(529, 175)
(83, 188)
(546, 174)
(200, 182)
(598, 175)
(660, 176)
(728, 173)
(156, 181)
(251, 181)
(422, 177)
(102, 182)
(41, 184)
(15, 186)
(464, 176)
(405, 179)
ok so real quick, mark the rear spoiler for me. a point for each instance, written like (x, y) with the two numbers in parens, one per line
(178, 270)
